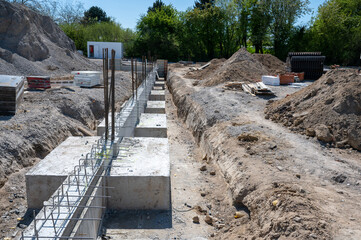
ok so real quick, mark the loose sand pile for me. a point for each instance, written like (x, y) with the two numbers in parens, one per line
(32, 44)
(329, 109)
(273, 64)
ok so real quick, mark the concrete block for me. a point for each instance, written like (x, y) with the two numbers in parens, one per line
(140, 177)
(151, 125)
(46, 176)
(271, 80)
(157, 95)
(159, 84)
(158, 88)
(155, 107)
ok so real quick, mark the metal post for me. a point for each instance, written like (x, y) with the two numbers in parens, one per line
(113, 94)
(35, 231)
(106, 104)
(132, 77)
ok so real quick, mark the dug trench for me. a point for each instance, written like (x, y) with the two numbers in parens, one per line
(284, 185)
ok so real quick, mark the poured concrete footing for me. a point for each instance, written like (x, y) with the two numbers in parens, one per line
(157, 95)
(159, 84)
(46, 176)
(158, 88)
(140, 177)
(155, 107)
(151, 125)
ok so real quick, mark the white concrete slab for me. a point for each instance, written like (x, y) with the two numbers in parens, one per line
(157, 95)
(159, 84)
(46, 176)
(140, 177)
(158, 88)
(155, 107)
(151, 125)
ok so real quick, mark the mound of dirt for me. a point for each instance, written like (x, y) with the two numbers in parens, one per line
(273, 64)
(206, 72)
(329, 109)
(32, 44)
(242, 66)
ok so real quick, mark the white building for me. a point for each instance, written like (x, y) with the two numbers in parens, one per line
(95, 49)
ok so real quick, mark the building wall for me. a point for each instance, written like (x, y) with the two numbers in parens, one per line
(98, 46)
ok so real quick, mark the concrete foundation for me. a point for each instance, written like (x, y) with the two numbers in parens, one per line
(159, 84)
(140, 177)
(157, 95)
(152, 125)
(46, 176)
(155, 107)
(158, 88)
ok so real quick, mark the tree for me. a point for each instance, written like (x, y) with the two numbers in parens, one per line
(203, 4)
(157, 5)
(95, 14)
(158, 33)
(259, 23)
(337, 31)
(284, 14)
(70, 13)
(230, 32)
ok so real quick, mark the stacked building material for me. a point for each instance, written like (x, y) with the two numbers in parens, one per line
(87, 78)
(257, 88)
(11, 93)
(271, 80)
(38, 82)
(309, 63)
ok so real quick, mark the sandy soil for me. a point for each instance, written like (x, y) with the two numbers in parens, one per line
(292, 185)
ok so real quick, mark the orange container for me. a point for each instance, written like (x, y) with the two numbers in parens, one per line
(300, 75)
(287, 78)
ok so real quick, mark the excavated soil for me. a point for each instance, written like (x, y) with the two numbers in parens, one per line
(329, 109)
(32, 44)
(206, 72)
(241, 67)
(273, 64)
(285, 185)
(44, 120)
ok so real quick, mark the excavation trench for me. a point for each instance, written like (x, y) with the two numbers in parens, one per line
(278, 204)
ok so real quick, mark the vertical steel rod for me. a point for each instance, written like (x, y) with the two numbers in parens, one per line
(132, 69)
(113, 94)
(106, 94)
(35, 231)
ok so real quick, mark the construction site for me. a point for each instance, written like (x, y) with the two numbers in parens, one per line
(248, 147)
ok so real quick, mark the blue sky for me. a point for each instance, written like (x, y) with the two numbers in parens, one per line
(127, 12)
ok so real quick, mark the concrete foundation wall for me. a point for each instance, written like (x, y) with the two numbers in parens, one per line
(46, 176)
(140, 177)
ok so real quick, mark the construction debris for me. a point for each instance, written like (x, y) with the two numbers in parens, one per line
(258, 88)
(87, 78)
(38, 82)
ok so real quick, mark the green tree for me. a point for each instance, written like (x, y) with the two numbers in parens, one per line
(203, 4)
(284, 14)
(337, 31)
(158, 4)
(95, 14)
(157, 33)
(259, 23)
